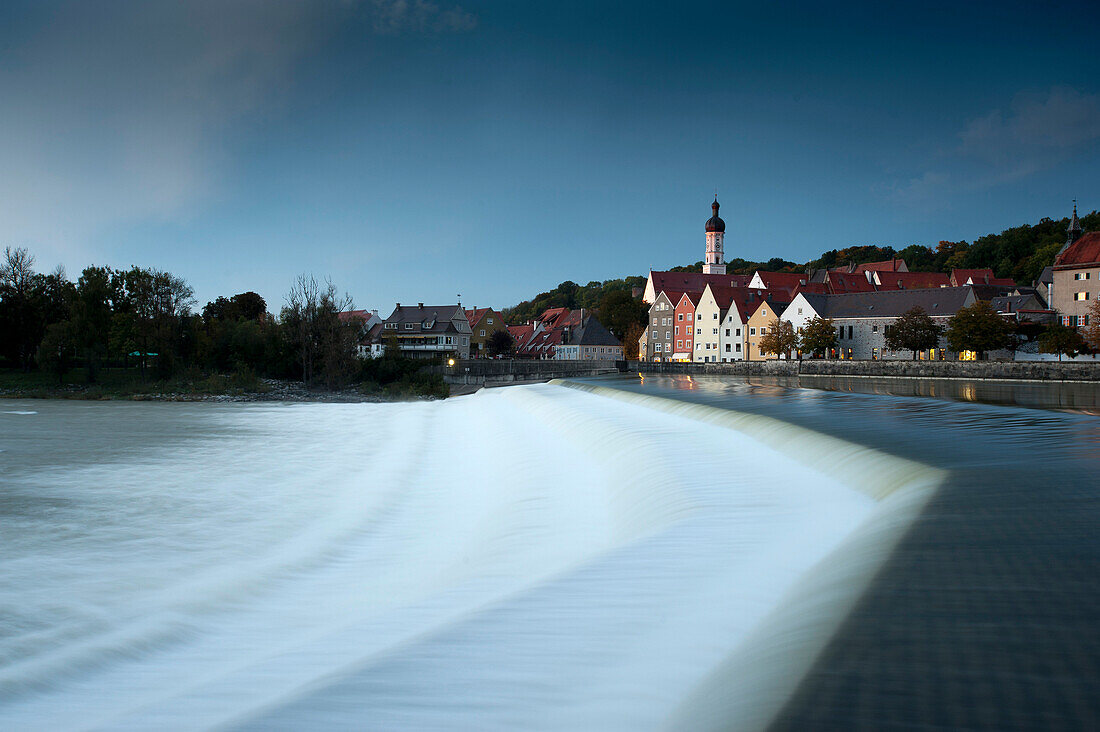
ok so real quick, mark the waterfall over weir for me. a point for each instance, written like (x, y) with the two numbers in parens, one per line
(535, 557)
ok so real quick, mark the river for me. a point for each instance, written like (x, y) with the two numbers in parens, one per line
(670, 553)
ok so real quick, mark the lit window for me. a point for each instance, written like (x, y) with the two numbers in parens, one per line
(1080, 296)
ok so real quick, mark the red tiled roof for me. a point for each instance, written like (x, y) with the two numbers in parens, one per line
(913, 280)
(887, 265)
(840, 283)
(474, 315)
(347, 315)
(782, 280)
(681, 281)
(1083, 252)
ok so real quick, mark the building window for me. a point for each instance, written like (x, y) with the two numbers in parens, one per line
(679, 345)
(715, 316)
(752, 331)
(714, 331)
(1081, 275)
(727, 332)
(699, 316)
(668, 335)
(697, 345)
(1080, 296)
(490, 321)
(874, 329)
(657, 347)
(654, 335)
(408, 326)
(800, 311)
(737, 332)
(679, 316)
(727, 348)
(850, 332)
(737, 347)
(450, 340)
(482, 333)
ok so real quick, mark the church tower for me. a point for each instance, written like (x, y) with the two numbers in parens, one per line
(715, 262)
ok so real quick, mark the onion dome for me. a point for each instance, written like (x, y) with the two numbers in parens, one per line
(714, 223)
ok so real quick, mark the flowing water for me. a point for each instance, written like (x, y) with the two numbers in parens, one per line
(670, 554)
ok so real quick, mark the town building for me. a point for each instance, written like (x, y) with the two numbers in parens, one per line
(963, 277)
(483, 323)
(861, 318)
(424, 331)
(759, 323)
(685, 326)
(909, 280)
(662, 317)
(369, 325)
(1076, 275)
(588, 341)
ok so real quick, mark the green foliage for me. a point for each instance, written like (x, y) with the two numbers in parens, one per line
(913, 331)
(818, 336)
(569, 295)
(1061, 339)
(500, 343)
(619, 310)
(57, 350)
(780, 338)
(979, 328)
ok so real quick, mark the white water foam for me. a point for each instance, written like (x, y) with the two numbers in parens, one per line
(531, 557)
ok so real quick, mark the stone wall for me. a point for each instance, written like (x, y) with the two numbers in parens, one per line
(1037, 371)
(503, 371)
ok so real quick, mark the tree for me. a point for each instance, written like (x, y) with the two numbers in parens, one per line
(1092, 332)
(978, 328)
(619, 310)
(779, 339)
(1058, 338)
(92, 316)
(913, 331)
(818, 336)
(326, 346)
(19, 321)
(57, 349)
(630, 341)
(500, 343)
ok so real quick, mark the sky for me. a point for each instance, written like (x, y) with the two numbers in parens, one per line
(418, 150)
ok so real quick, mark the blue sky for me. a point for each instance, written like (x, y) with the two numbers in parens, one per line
(414, 150)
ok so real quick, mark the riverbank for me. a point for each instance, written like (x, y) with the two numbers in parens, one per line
(209, 388)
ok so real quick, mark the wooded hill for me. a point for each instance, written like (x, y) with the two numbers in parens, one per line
(1020, 253)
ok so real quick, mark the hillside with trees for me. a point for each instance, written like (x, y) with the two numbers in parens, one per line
(1020, 252)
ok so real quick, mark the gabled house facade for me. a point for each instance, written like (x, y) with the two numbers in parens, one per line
(483, 323)
(1075, 282)
(684, 328)
(424, 331)
(759, 323)
(662, 318)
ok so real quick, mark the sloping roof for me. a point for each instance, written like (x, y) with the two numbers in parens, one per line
(693, 297)
(960, 277)
(683, 281)
(1081, 253)
(364, 315)
(430, 318)
(474, 315)
(782, 280)
(912, 280)
(593, 333)
(1015, 303)
(839, 283)
(1047, 275)
(887, 265)
(373, 335)
(890, 304)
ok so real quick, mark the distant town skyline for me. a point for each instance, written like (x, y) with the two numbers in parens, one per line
(412, 150)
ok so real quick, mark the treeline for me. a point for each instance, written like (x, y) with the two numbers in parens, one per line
(143, 321)
(569, 295)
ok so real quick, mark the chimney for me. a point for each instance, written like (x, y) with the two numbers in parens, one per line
(420, 305)
(374, 312)
(399, 305)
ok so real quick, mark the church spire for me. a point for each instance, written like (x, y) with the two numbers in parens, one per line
(1073, 233)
